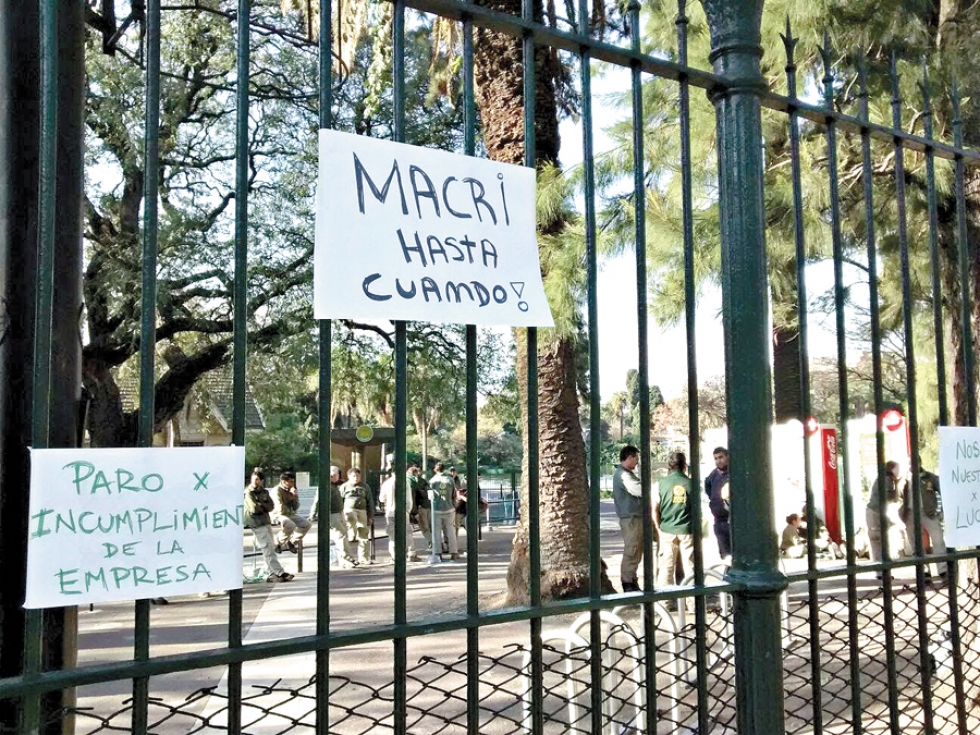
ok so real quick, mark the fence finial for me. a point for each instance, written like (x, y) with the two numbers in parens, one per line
(789, 43)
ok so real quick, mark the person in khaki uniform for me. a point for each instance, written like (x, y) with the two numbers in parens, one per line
(292, 526)
(884, 503)
(358, 512)
(628, 498)
(338, 524)
(258, 506)
(672, 517)
(442, 492)
(933, 541)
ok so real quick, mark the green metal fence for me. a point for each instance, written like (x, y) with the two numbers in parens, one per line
(816, 650)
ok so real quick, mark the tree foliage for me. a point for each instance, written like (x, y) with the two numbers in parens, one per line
(196, 257)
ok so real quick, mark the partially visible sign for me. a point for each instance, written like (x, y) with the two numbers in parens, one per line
(364, 433)
(411, 233)
(127, 524)
(959, 483)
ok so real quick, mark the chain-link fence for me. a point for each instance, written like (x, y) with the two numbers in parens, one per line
(363, 703)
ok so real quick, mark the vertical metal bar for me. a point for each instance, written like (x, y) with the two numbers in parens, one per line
(472, 464)
(401, 388)
(690, 319)
(151, 164)
(642, 337)
(953, 567)
(874, 302)
(736, 49)
(595, 559)
(533, 466)
(963, 252)
(913, 424)
(885, 574)
(401, 413)
(816, 687)
(41, 383)
(324, 414)
(240, 320)
(933, 206)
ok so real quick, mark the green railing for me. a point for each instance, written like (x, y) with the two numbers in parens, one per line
(733, 674)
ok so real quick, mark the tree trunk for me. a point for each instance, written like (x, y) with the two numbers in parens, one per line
(786, 373)
(564, 498)
(949, 273)
(563, 486)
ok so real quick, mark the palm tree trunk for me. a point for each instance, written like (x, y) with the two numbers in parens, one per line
(786, 373)
(563, 486)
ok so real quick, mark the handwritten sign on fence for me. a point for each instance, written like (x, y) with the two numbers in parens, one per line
(129, 524)
(404, 232)
(959, 483)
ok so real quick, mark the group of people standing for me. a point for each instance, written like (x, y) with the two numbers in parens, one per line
(672, 514)
(889, 511)
(351, 507)
(437, 505)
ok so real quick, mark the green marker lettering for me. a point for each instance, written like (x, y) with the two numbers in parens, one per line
(119, 574)
(142, 516)
(201, 569)
(140, 576)
(193, 518)
(122, 480)
(81, 522)
(60, 521)
(97, 577)
(79, 477)
(158, 481)
(64, 583)
(41, 530)
(100, 482)
(123, 520)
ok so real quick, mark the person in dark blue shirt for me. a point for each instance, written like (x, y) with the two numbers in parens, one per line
(716, 488)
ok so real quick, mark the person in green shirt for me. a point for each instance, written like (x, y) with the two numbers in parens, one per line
(672, 517)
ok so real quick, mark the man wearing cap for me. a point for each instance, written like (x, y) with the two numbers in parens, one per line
(292, 526)
(338, 524)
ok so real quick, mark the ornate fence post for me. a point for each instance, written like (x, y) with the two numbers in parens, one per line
(735, 53)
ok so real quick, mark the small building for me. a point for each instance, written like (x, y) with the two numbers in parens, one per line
(207, 415)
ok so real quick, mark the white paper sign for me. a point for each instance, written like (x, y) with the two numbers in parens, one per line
(959, 484)
(129, 524)
(404, 232)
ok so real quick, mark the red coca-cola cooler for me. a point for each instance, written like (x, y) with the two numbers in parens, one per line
(823, 476)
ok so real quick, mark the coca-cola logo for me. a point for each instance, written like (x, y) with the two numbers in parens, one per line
(832, 451)
(892, 420)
